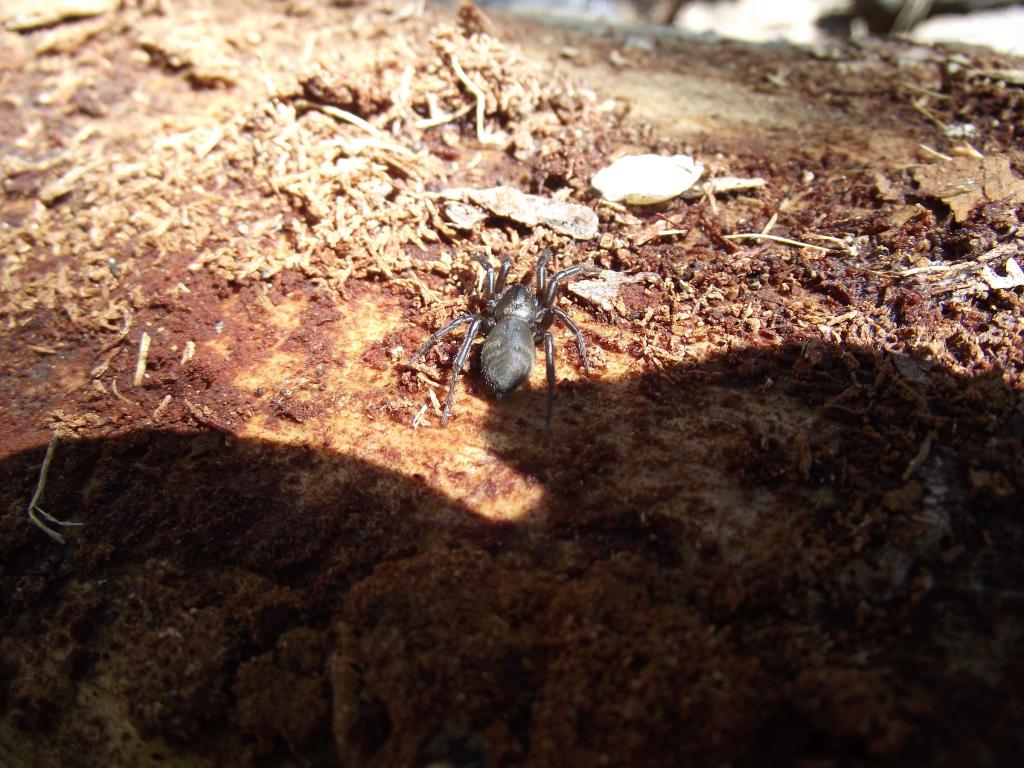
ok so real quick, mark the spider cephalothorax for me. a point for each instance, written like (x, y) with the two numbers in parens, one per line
(514, 321)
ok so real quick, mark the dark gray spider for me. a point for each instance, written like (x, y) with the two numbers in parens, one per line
(515, 320)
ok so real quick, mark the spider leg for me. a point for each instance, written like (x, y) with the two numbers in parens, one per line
(460, 360)
(552, 285)
(489, 284)
(506, 265)
(542, 271)
(436, 336)
(549, 360)
(581, 345)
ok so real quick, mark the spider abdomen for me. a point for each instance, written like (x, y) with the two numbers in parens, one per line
(507, 354)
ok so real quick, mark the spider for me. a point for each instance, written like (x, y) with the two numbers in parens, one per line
(514, 322)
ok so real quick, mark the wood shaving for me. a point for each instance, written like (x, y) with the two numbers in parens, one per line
(723, 185)
(140, 365)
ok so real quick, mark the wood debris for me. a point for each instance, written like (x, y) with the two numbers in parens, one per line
(27, 15)
(39, 517)
(140, 364)
(602, 290)
(1008, 76)
(964, 183)
(571, 219)
(207, 61)
(962, 279)
(723, 185)
(1014, 276)
(647, 179)
(463, 215)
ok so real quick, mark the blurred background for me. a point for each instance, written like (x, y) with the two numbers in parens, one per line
(995, 23)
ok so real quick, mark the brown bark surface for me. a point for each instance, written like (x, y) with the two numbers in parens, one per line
(777, 523)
